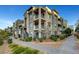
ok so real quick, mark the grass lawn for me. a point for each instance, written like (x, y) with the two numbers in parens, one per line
(16, 49)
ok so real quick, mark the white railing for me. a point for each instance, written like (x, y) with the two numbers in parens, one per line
(43, 27)
(36, 27)
(37, 16)
(42, 16)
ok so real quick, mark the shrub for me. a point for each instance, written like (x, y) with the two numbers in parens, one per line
(28, 39)
(1, 41)
(21, 39)
(54, 37)
(9, 41)
(67, 31)
(63, 36)
(40, 39)
(10, 34)
(34, 39)
(44, 37)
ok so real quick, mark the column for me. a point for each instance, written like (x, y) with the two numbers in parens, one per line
(27, 23)
(39, 22)
(32, 24)
(46, 18)
(51, 25)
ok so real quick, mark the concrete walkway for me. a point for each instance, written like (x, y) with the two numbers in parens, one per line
(68, 47)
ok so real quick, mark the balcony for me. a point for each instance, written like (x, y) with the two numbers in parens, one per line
(60, 28)
(59, 22)
(43, 27)
(37, 16)
(37, 27)
(42, 16)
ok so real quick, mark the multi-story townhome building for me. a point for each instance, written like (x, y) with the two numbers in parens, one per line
(57, 21)
(42, 22)
(65, 25)
(18, 28)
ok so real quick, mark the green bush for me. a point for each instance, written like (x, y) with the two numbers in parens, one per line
(62, 36)
(9, 41)
(67, 31)
(34, 39)
(21, 39)
(1, 41)
(44, 38)
(54, 37)
(40, 39)
(28, 39)
(9, 34)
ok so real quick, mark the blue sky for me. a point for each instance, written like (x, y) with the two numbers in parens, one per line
(10, 13)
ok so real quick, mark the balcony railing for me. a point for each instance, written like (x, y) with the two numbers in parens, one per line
(36, 27)
(37, 16)
(42, 16)
(59, 22)
(43, 27)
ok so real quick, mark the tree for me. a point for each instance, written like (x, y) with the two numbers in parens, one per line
(77, 28)
(67, 31)
(4, 34)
